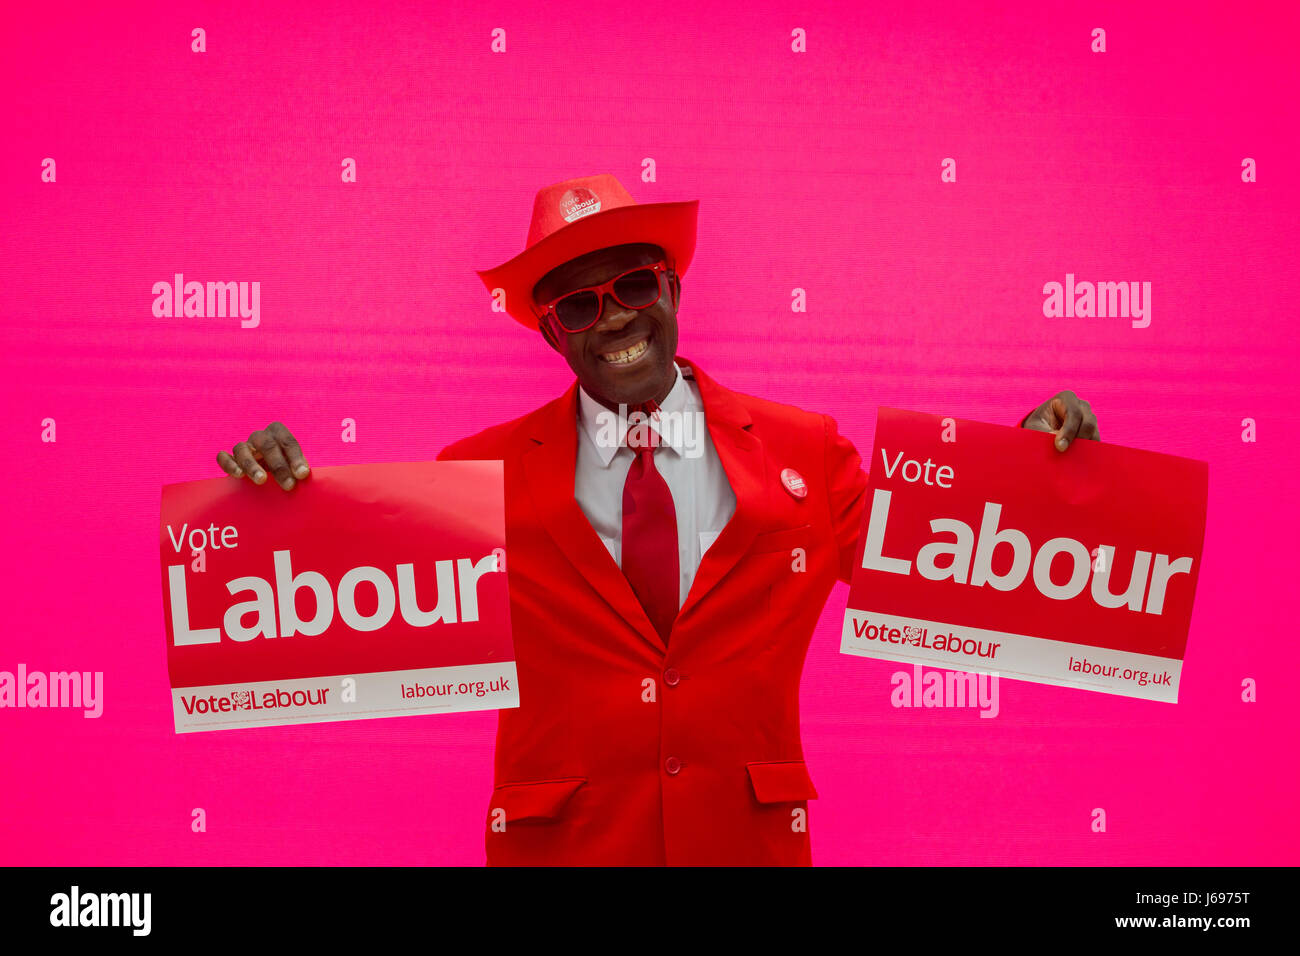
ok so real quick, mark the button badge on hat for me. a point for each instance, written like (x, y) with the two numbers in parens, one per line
(578, 202)
(794, 483)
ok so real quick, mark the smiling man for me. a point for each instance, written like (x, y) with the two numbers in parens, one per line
(663, 592)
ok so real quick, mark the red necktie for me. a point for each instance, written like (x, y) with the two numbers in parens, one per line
(650, 531)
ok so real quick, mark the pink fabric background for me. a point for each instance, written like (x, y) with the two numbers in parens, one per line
(818, 171)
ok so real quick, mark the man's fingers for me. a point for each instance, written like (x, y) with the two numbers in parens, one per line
(273, 455)
(1046, 418)
(228, 465)
(292, 450)
(1066, 415)
(245, 458)
(1089, 428)
(273, 450)
(1069, 429)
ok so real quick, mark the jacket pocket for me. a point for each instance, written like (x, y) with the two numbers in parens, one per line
(774, 554)
(538, 800)
(781, 781)
(785, 540)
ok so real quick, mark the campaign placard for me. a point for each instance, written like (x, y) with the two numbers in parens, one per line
(367, 591)
(984, 549)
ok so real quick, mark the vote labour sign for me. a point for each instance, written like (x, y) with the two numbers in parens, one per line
(368, 591)
(984, 549)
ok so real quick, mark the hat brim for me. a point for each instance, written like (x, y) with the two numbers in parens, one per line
(670, 225)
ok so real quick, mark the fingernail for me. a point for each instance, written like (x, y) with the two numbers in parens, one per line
(259, 476)
(301, 471)
(288, 483)
(1061, 444)
(239, 473)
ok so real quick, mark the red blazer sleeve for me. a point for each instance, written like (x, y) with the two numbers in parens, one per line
(846, 481)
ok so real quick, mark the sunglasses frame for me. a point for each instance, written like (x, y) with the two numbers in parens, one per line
(548, 313)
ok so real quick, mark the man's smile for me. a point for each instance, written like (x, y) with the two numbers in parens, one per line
(627, 355)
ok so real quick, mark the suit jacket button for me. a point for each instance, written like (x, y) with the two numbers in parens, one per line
(673, 765)
(672, 677)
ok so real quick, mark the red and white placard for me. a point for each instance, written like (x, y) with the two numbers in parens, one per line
(984, 549)
(367, 591)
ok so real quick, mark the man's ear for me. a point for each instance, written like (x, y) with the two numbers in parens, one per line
(677, 291)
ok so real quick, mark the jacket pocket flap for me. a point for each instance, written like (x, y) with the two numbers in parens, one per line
(781, 781)
(782, 540)
(536, 800)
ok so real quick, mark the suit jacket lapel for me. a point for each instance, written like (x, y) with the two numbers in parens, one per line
(742, 459)
(549, 468)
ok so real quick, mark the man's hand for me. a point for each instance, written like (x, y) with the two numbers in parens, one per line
(1067, 415)
(273, 447)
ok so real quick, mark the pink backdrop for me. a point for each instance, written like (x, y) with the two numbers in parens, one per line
(818, 171)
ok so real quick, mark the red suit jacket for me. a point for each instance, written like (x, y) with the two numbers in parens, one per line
(625, 751)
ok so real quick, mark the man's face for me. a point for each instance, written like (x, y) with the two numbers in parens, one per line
(598, 355)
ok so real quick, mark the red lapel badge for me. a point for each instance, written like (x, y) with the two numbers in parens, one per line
(794, 483)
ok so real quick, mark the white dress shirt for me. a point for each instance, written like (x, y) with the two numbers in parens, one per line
(686, 458)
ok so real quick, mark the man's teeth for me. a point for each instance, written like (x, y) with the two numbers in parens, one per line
(627, 355)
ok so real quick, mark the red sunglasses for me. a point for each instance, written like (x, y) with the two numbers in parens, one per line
(580, 309)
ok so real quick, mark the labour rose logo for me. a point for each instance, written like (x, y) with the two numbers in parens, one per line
(912, 635)
(242, 699)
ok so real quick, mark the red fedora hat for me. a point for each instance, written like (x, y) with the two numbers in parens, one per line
(582, 215)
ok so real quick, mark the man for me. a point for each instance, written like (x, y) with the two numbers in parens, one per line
(664, 581)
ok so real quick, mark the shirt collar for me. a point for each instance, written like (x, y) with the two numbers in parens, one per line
(601, 424)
